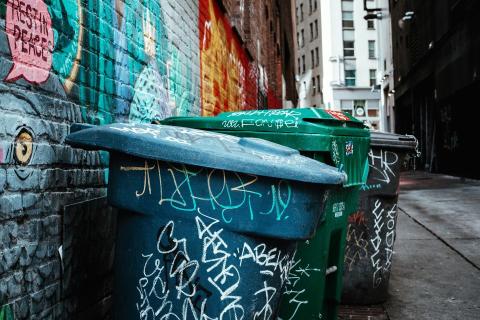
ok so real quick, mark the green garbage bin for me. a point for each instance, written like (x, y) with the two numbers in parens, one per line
(314, 284)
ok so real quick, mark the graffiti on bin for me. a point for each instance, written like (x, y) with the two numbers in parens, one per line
(368, 187)
(356, 248)
(263, 119)
(295, 294)
(176, 134)
(385, 218)
(229, 192)
(190, 137)
(382, 164)
(172, 274)
(260, 123)
(267, 113)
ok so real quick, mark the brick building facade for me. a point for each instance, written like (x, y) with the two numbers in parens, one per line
(99, 62)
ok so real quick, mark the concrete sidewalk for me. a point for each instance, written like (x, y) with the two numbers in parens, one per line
(436, 267)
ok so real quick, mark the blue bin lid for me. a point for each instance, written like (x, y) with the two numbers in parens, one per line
(206, 149)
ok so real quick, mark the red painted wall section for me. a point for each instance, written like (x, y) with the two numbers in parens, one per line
(273, 101)
(228, 81)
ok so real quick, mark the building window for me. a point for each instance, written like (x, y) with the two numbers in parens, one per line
(298, 66)
(350, 78)
(296, 14)
(316, 28)
(317, 56)
(314, 88)
(301, 12)
(370, 24)
(346, 105)
(303, 64)
(302, 38)
(371, 49)
(313, 58)
(311, 7)
(315, 6)
(311, 31)
(298, 39)
(373, 77)
(347, 15)
(359, 108)
(347, 19)
(348, 48)
(318, 84)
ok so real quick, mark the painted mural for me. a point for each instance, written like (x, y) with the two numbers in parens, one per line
(120, 66)
(28, 26)
(67, 17)
(120, 61)
(96, 61)
(226, 80)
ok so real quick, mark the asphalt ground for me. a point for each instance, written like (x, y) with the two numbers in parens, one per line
(436, 265)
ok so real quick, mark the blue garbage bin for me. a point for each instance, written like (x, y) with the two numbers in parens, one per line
(209, 223)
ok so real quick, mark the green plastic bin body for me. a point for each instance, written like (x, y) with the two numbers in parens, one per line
(314, 285)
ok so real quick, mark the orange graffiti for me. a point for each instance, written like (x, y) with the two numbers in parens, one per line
(224, 65)
(357, 218)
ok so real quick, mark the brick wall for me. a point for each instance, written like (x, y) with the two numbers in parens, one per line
(66, 61)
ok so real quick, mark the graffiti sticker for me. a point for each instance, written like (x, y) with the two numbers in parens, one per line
(348, 148)
(30, 38)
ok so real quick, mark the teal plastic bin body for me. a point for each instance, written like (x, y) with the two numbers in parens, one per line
(209, 223)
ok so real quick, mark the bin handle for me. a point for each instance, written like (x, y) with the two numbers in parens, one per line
(418, 153)
(330, 270)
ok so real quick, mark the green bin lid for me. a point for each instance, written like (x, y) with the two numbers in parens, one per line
(303, 120)
(342, 136)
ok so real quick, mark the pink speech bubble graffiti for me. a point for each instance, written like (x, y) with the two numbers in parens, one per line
(30, 37)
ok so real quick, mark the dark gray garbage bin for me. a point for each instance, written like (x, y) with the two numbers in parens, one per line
(371, 230)
(209, 223)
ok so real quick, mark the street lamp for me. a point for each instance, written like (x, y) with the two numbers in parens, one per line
(374, 15)
(407, 16)
(371, 12)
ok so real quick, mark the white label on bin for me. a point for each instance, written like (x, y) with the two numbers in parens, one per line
(338, 209)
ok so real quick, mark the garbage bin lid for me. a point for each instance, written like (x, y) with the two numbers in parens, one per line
(301, 120)
(207, 149)
(392, 140)
(339, 134)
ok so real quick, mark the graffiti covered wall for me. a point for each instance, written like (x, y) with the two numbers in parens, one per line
(98, 62)
(67, 61)
(227, 79)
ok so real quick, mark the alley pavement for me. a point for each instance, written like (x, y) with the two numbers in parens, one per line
(436, 266)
